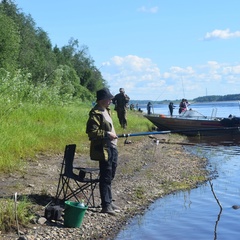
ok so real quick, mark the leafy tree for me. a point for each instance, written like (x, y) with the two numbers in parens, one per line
(46, 58)
(26, 47)
(36, 54)
(9, 42)
(67, 81)
(83, 64)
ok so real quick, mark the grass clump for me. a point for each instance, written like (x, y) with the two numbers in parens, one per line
(8, 213)
(139, 192)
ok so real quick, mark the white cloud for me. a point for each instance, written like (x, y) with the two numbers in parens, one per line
(235, 69)
(143, 80)
(221, 34)
(180, 70)
(132, 73)
(148, 10)
(133, 63)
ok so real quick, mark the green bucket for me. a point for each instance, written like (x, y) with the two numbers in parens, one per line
(73, 214)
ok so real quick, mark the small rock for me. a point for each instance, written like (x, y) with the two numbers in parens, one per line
(235, 207)
(41, 220)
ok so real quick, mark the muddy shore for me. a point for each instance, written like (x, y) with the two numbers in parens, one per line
(146, 171)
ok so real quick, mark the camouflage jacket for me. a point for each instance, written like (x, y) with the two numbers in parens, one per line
(97, 128)
(121, 100)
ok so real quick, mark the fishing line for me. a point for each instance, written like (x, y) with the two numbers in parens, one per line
(158, 98)
(183, 87)
(176, 131)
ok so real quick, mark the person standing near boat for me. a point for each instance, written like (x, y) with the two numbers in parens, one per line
(121, 100)
(171, 107)
(149, 106)
(187, 104)
(182, 106)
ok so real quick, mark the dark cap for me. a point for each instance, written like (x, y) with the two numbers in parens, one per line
(121, 90)
(104, 94)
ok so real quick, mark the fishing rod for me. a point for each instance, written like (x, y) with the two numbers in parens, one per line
(176, 131)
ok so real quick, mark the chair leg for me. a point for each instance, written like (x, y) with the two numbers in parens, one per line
(58, 193)
(60, 189)
(93, 186)
(82, 189)
(64, 188)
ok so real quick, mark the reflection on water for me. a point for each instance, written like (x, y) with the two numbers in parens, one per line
(226, 144)
(202, 213)
(220, 212)
(218, 219)
(225, 140)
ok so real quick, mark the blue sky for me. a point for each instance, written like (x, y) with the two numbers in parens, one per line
(156, 50)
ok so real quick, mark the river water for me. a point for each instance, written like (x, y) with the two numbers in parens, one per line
(205, 212)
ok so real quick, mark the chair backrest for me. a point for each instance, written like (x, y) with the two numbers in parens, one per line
(68, 159)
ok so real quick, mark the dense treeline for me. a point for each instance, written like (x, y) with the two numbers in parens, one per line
(28, 58)
(210, 98)
(216, 98)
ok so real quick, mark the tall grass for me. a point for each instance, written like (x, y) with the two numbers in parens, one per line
(36, 119)
(30, 129)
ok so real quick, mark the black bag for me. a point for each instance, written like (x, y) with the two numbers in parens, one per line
(53, 213)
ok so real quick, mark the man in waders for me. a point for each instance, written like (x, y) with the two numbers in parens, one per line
(121, 100)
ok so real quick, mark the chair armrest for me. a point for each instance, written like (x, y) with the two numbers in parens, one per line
(87, 169)
(90, 171)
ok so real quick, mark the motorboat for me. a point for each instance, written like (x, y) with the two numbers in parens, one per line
(192, 123)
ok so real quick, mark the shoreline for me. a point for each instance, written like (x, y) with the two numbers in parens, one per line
(146, 172)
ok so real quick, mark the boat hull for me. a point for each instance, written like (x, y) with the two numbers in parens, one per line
(192, 126)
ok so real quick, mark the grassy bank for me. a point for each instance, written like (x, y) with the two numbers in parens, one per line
(29, 129)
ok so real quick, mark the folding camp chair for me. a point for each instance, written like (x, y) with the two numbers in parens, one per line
(79, 186)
